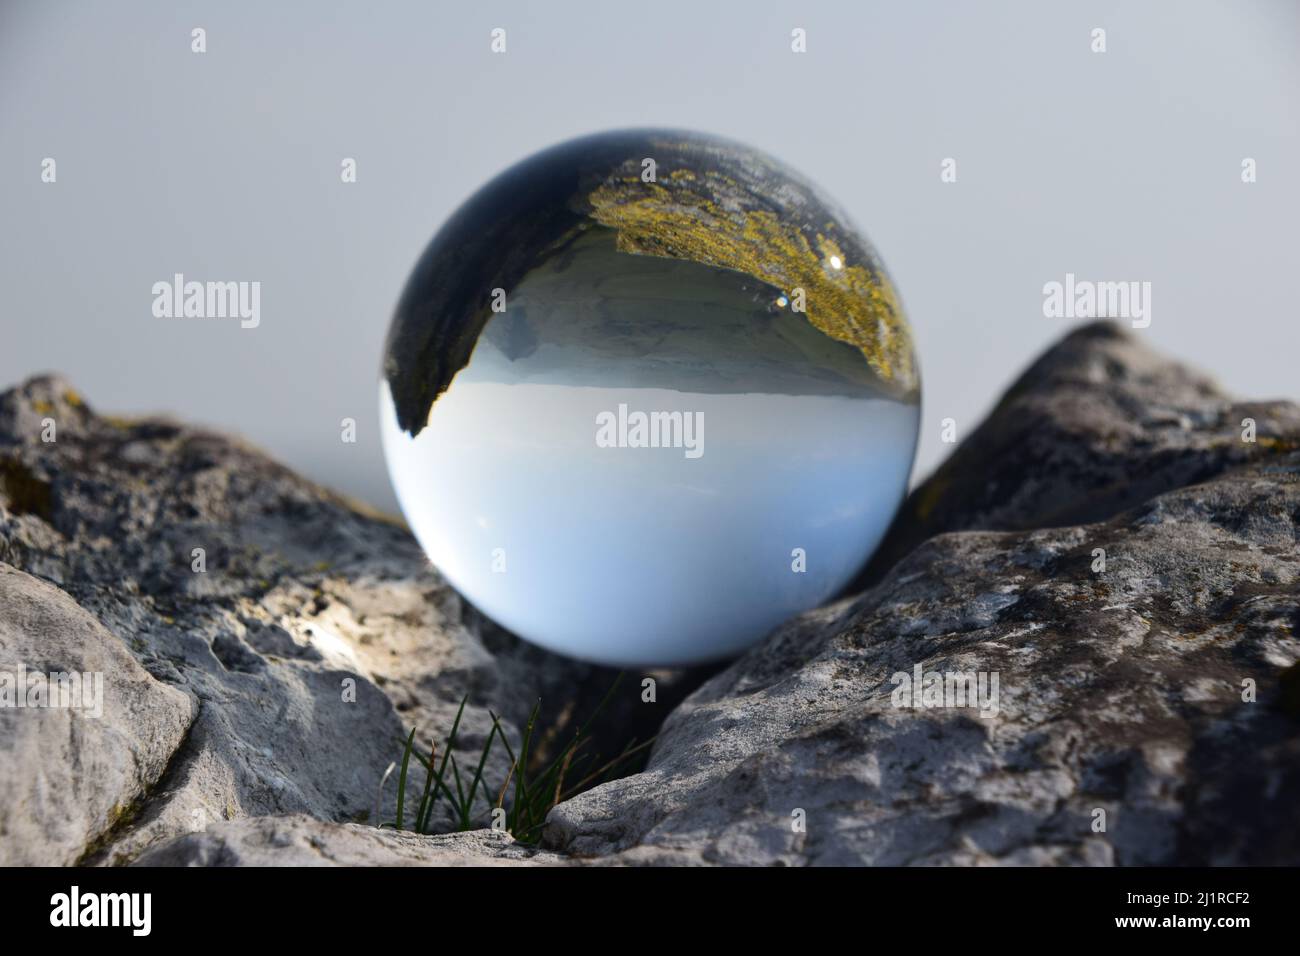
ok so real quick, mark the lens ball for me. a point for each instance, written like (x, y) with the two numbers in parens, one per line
(646, 395)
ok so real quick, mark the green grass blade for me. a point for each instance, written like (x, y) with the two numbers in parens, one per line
(607, 768)
(422, 812)
(401, 777)
(520, 777)
(460, 793)
(455, 727)
(478, 777)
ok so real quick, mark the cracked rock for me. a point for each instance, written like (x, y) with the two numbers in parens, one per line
(1077, 646)
(1143, 714)
(85, 732)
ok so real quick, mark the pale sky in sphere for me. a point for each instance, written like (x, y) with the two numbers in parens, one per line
(1117, 166)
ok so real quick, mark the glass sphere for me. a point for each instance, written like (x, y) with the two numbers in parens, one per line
(646, 395)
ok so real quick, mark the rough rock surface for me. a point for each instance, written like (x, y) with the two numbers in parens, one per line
(303, 841)
(1120, 690)
(1095, 426)
(84, 740)
(1147, 711)
(314, 635)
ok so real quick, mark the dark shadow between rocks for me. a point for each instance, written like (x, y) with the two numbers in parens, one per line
(570, 691)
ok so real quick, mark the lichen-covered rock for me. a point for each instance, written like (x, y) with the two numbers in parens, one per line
(1106, 545)
(1099, 423)
(1142, 713)
(310, 632)
(85, 732)
(303, 841)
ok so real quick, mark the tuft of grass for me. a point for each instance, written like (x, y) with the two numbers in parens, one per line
(520, 811)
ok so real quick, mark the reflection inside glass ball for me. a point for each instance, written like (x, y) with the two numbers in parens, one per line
(644, 421)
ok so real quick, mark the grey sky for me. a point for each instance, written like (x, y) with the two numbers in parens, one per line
(225, 166)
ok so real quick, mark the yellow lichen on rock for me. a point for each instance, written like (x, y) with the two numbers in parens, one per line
(849, 302)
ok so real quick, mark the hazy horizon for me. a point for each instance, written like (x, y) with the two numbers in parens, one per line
(225, 166)
(590, 533)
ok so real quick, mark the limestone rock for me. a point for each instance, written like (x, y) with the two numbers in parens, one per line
(1105, 544)
(85, 732)
(1149, 698)
(310, 632)
(1099, 423)
(303, 841)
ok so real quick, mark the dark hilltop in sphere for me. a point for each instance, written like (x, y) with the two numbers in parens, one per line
(656, 193)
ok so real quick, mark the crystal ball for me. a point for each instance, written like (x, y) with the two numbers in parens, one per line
(646, 395)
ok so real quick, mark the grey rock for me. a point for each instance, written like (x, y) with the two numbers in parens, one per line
(303, 841)
(1098, 424)
(85, 732)
(1120, 690)
(314, 638)
(1161, 691)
